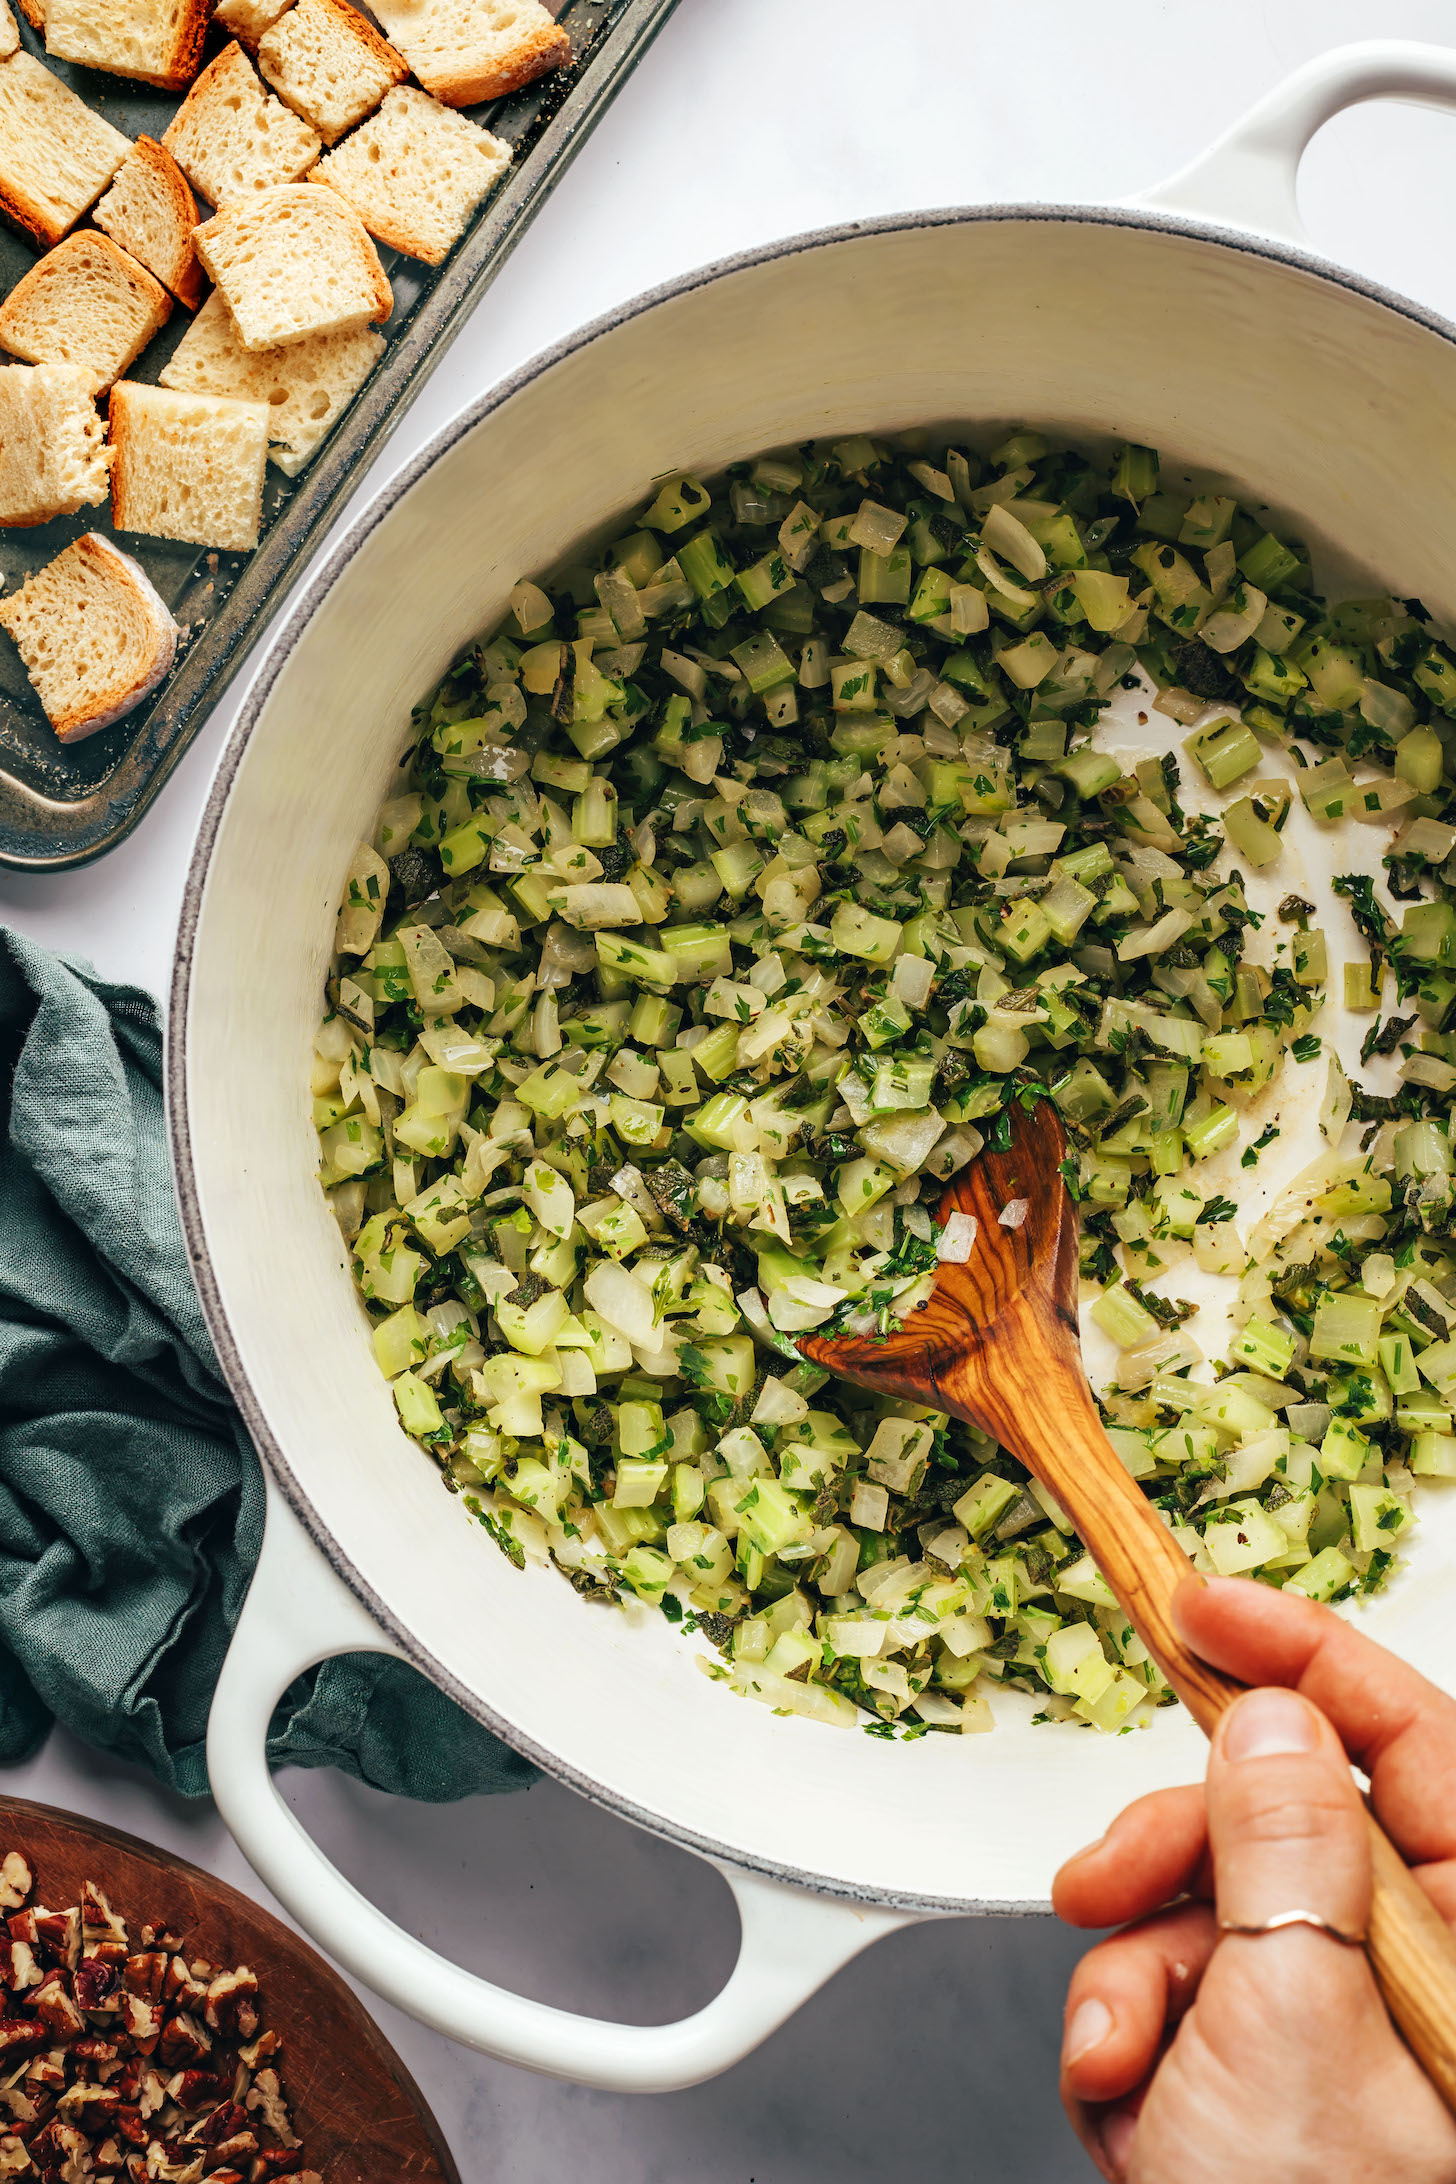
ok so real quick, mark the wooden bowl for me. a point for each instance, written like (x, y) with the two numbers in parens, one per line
(361, 2117)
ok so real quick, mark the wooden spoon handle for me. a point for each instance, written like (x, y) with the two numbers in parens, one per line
(1411, 1949)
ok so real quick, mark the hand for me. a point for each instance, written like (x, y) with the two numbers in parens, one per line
(1195, 2058)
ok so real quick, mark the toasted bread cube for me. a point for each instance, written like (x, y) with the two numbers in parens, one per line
(329, 65)
(156, 41)
(151, 212)
(187, 466)
(415, 173)
(307, 386)
(231, 138)
(9, 33)
(86, 303)
(246, 20)
(468, 50)
(56, 156)
(34, 13)
(95, 636)
(53, 454)
(294, 262)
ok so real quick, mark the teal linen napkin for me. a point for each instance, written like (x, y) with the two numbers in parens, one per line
(131, 1499)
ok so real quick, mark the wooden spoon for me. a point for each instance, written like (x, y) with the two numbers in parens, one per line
(998, 1344)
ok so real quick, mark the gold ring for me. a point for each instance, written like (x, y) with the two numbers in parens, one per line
(1294, 1918)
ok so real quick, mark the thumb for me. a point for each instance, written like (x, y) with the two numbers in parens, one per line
(1287, 1828)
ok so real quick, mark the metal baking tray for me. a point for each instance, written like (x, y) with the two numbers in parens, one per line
(62, 805)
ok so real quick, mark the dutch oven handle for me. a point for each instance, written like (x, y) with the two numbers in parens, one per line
(1247, 178)
(299, 1612)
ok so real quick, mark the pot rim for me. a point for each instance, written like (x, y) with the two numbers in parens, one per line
(290, 633)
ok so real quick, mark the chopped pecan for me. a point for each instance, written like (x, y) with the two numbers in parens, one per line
(107, 1960)
(129, 2125)
(95, 2059)
(96, 1984)
(146, 1975)
(17, 2034)
(171, 2163)
(55, 2009)
(265, 2101)
(194, 2089)
(47, 2073)
(225, 2122)
(61, 2151)
(94, 2047)
(18, 1967)
(80, 2103)
(229, 1998)
(98, 1921)
(180, 1986)
(108, 2156)
(153, 2093)
(240, 2147)
(143, 2021)
(184, 2043)
(18, 2103)
(14, 2160)
(59, 1934)
(278, 2161)
(260, 2051)
(16, 1881)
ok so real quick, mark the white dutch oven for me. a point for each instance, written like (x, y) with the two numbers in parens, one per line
(1224, 345)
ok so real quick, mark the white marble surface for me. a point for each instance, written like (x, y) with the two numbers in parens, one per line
(751, 119)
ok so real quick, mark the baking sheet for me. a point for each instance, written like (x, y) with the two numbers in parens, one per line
(62, 806)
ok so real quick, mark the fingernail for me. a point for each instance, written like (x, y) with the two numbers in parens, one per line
(1117, 2134)
(1268, 1723)
(1087, 2028)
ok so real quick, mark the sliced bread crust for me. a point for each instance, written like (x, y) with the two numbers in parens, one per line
(95, 636)
(187, 466)
(246, 20)
(153, 41)
(468, 50)
(293, 262)
(307, 386)
(329, 65)
(415, 173)
(53, 453)
(87, 303)
(34, 13)
(151, 212)
(231, 138)
(56, 156)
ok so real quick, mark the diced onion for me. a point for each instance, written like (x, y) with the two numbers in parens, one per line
(957, 1239)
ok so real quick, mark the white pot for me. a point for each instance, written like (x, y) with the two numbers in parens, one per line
(1217, 345)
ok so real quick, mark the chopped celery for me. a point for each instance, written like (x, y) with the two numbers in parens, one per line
(869, 873)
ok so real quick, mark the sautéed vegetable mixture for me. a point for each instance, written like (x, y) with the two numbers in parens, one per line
(738, 886)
